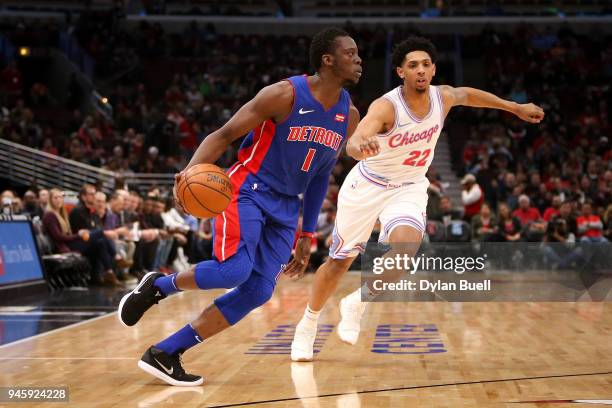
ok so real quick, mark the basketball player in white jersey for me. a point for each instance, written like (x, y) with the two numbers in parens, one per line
(395, 144)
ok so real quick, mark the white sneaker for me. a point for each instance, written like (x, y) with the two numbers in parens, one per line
(303, 342)
(351, 310)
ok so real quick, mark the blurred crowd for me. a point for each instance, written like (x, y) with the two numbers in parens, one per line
(520, 183)
(551, 182)
(123, 234)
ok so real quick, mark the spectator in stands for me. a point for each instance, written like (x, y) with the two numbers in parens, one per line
(483, 224)
(558, 247)
(8, 194)
(116, 233)
(507, 189)
(6, 200)
(58, 227)
(56, 224)
(607, 219)
(133, 207)
(590, 226)
(179, 231)
(471, 196)
(446, 213)
(151, 230)
(166, 240)
(530, 219)
(43, 199)
(192, 235)
(567, 213)
(30, 205)
(204, 245)
(508, 226)
(116, 207)
(553, 210)
(83, 216)
(17, 206)
(324, 228)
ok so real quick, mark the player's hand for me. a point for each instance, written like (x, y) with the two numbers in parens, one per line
(369, 146)
(530, 113)
(298, 264)
(177, 180)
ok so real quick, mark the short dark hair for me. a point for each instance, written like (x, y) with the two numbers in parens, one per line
(84, 189)
(324, 42)
(413, 43)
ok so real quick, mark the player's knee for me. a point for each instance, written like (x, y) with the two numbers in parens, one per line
(338, 267)
(405, 239)
(262, 295)
(241, 301)
(236, 270)
(228, 274)
(258, 293)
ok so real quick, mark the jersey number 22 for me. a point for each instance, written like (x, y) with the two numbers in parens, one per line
(416, 154)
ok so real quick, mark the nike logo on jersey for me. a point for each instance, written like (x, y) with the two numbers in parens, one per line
(167, 370)
(315, 134)
(303, 112)
(402, 139)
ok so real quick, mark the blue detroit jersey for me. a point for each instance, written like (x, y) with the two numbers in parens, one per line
(286, 156)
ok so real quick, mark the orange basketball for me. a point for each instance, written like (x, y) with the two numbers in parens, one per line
(204, 191)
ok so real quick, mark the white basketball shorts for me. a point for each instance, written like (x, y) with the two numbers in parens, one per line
(363, 199)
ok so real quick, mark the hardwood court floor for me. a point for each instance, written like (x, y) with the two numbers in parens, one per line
(488, 354)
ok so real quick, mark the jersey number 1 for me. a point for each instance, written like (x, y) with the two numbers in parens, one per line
(414, 155)
(308, 159)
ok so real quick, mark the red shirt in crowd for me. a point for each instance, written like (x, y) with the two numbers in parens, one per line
(591, 225)
(531, 214)
(549, 213)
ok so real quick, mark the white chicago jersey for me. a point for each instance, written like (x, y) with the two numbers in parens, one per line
(407, 150)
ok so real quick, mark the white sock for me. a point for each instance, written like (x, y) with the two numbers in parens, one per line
(310, 317)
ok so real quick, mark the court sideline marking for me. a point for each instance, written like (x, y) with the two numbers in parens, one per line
(414, 387)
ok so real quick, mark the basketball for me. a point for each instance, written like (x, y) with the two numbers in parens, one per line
(205, 191)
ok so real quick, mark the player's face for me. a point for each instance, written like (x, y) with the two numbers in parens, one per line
(346, 61)
(417, 70)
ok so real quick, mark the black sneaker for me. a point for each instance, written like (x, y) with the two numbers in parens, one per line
(134, 304)
(168, 368)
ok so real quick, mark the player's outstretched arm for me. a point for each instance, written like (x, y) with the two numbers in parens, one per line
(481, 99)
(380, 118)
(272, 102)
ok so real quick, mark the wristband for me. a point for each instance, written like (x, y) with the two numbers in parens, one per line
(306, 234)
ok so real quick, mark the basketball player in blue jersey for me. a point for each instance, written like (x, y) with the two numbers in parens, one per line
(395, 144)
(296, 129)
